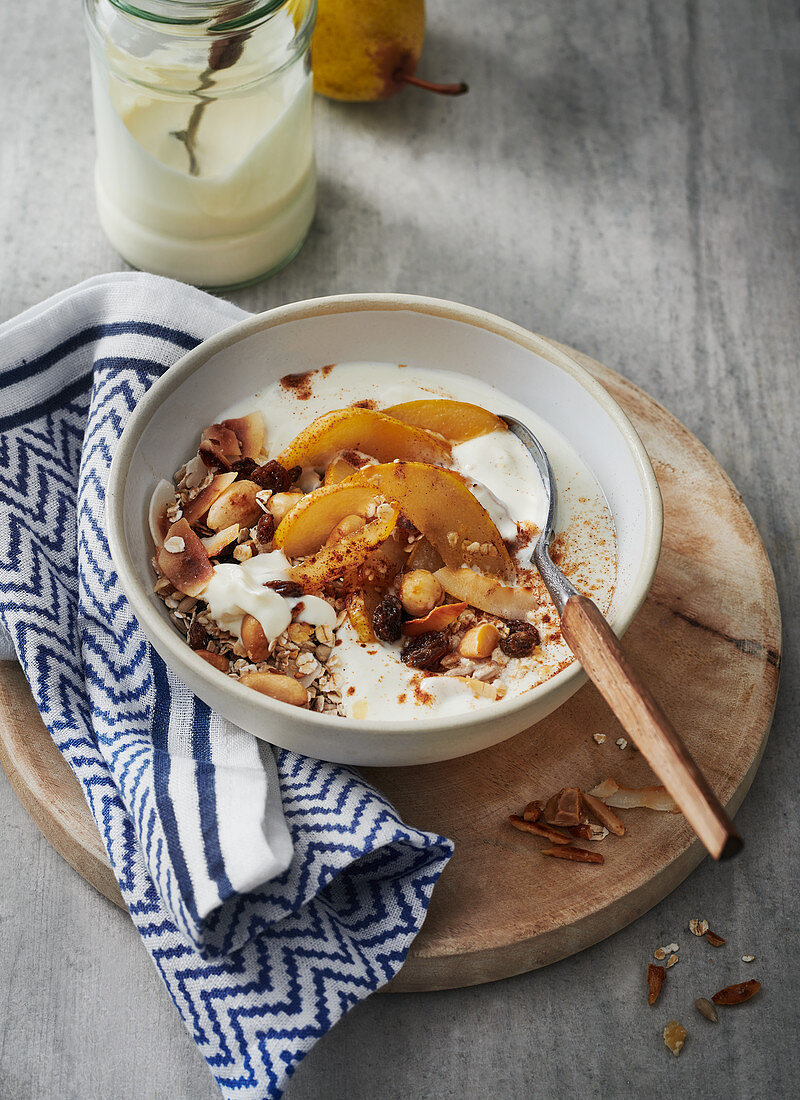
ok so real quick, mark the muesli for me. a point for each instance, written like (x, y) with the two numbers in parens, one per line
(370, 564)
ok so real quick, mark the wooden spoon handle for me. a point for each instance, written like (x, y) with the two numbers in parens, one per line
(597, 648)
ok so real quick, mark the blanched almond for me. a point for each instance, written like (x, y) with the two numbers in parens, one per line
(237, 504)
(283, 688)
(479, 641)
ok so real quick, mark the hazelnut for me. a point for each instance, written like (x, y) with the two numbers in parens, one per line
(479, 641)
(347, 526)
(420, 592)
(280, 504)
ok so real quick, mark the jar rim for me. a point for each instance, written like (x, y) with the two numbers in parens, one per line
(258, 11)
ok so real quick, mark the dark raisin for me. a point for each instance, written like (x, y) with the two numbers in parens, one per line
(212, 458)
(290, 589)
(293, 474)
(387, 618)
(271, 476)
(522, 639)
(426, 650)
(197, 636)
(244, 466)
(265, 529)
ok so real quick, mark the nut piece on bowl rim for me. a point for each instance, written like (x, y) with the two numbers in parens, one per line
(390, 328)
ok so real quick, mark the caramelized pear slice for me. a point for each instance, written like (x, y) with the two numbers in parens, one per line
(457, 421)
(337, 558)
(440, 505)
(307, 526)
(186, 567)
(197, 509)
(487, 594)
(249, 430)
(361, 605)
(373, 433)
(338, 470)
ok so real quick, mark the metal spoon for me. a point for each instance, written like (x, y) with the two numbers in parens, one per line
(597, 648)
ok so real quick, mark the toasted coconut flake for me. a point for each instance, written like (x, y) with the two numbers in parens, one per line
(217, 542)
(249, 430)
(190, 570)
(163, 495)
(632, 798)
(437, 619)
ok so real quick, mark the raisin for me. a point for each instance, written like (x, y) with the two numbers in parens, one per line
(265, 529)
(522, 639)
(244, 466)
(196, 636)
(387, 618)
(289, 589)
(271, 476)
(293, 474)
(426, 650)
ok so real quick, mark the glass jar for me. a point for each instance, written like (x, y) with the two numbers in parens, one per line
(205, 163)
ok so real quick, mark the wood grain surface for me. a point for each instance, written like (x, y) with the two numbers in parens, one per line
(707, 640)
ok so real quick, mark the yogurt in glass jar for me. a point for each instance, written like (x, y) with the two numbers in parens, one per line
(205, 165)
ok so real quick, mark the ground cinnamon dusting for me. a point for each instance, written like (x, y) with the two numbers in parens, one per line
(298, 384)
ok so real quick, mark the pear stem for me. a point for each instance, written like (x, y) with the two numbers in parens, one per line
(429, 85)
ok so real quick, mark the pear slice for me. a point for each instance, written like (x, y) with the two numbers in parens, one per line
(249, 430)
(440, 505)
(186, 567)
(307, 526)
(373, 433)
(457, 421)
(197, 509)
(338, 470)
(338, 558)
(487, 594)
(361, 605)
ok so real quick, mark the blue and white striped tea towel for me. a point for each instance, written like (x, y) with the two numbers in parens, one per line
(272, 891)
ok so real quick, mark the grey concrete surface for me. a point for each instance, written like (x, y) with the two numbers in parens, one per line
(622, 176)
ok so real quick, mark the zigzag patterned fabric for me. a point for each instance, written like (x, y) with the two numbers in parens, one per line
(272, 891)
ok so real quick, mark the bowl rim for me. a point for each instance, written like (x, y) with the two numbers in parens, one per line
(154, 625)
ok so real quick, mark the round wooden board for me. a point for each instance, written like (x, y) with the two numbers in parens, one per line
(708, 642)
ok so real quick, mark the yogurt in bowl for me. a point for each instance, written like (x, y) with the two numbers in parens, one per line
(393, 634)
(382, 699)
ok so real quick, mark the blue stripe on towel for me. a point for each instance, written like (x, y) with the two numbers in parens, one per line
(207, 796)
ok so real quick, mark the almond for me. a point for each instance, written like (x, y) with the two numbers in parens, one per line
(736, 994)
(604, 814)
(538, 829)
(284, 688)
(655, 980)
(714, 939)
(254, 639)
(564, 808)
(214, 659)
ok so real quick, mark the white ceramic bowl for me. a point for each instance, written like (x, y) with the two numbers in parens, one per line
(421, 332)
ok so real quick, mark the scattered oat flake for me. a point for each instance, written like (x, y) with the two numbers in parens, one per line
(659, 953)
(748, 958)
(672, 947)
(621, 743)
(672, 960)
(675, 1036)
(600, 738)
(698, 927)
(175, 545)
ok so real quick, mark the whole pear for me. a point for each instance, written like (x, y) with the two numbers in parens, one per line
(369, 49)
